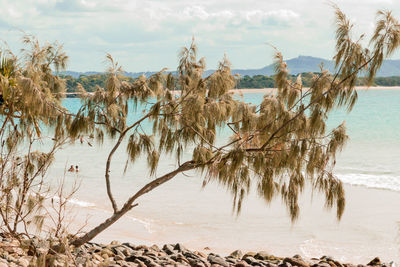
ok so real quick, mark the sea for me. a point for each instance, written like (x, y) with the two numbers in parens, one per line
(202, 218)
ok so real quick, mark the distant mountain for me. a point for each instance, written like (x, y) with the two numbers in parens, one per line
(296, 65)
(311, 64)
(389, 68)
(76, 74)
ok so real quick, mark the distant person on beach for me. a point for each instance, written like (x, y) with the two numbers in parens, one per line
(76, 168)
(71, 169)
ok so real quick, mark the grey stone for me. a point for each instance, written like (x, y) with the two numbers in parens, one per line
(169, 249)
(119, 251)
(145, 259)
(322, 264)
(285, 264)
(249, 254)
(130, 245)
(231, 260)
(119, 258)
(374, 262)
(122, 263)
(140, 263)
(155, 248)
(262, 255)
(179, 247)
(296, 262)
(237, 254)
(215, 259)
(196, 263)
(252, 261)
(241, 264)
(131, 258)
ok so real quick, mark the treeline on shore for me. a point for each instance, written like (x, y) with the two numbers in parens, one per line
(263, 81)
(90, 82)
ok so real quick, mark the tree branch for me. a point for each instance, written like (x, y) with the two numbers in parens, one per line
(189, 165)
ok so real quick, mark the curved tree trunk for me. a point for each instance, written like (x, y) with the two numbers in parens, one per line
(129, 203)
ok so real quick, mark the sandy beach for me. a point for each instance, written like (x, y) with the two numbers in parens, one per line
(181, 212)
(266, 90)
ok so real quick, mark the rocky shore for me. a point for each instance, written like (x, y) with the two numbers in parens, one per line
(35, 252)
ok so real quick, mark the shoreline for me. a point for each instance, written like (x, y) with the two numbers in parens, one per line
(317, 233)
(358, 88)
(181, 211)
(264, 90)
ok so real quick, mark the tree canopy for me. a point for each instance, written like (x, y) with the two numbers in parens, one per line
(30, 97)
(277, 146)
(90, 82)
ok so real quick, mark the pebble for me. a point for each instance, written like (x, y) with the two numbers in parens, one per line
(117, 254)
(262, 255)
(217, 260)
(375, 262)
(237, 254)
(297, 261)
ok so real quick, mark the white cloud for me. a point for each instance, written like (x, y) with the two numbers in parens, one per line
(155, 29)
(281, 15)
(196, 12)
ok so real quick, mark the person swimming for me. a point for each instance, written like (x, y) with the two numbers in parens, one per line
(71, 169)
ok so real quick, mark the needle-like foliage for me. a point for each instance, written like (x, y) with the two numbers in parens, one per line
(277, 147)
(30, 97)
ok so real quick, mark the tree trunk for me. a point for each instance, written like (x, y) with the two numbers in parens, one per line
(129, 203)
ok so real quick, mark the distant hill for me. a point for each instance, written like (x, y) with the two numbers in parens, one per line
(296, 65)
(303, 64)
(76, 74)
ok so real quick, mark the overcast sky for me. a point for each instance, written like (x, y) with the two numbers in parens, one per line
(147, 35)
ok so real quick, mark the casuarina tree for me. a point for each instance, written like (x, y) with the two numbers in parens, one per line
(30, 101)
(276, 147)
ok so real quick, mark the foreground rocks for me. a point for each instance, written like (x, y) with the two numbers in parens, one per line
(45, 253)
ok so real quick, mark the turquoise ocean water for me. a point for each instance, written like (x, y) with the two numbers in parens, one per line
(371, 158)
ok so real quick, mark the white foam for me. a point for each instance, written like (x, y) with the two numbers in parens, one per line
(311, 248)
(380, 181)
(81, 203)
(146, 223)
(76, 202)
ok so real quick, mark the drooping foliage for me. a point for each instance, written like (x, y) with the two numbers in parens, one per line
(30, 97)
(278, 146)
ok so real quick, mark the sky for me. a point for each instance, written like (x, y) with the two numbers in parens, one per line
(147, 35)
